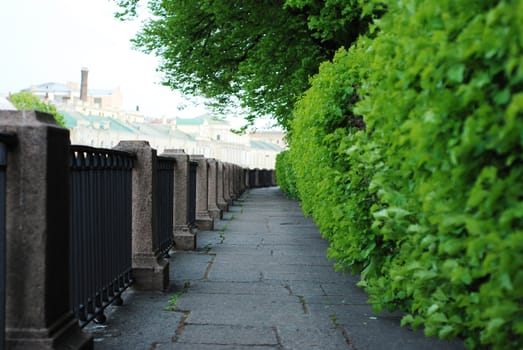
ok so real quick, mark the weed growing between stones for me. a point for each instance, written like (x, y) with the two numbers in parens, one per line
(174, 298)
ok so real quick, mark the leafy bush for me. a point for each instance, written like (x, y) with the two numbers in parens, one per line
(285, 176)
(333, 171)
(407, 151)
(26, 100)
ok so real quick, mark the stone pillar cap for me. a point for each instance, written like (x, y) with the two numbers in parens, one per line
(174, 151)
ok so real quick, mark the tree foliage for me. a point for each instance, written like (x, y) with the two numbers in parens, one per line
(260, 53)
(26, 100)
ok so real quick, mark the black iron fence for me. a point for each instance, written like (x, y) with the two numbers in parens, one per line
(5, 141)
(252, 178)
(264, 177)
(191, 210)
(164, 203)
(101, 242)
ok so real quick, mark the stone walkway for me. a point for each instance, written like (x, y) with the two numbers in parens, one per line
(261, 280)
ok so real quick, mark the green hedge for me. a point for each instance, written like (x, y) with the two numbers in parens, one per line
(285, 176)
(407, 152)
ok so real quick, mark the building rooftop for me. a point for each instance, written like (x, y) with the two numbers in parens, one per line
(200, 120)
(5, 104)
(53, 87)
(263, 145)
(70, 121)
(49, 87)
(74, 118)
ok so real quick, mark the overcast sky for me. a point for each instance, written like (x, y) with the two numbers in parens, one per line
(51, 40)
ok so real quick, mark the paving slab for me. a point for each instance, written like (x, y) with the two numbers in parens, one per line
(218, 334)
(260, 280)
(234, 288)
(135, 324)
(311, 337)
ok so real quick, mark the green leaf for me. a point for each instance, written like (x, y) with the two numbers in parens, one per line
(456, 72)
(445, 332)
(407, 319)
(502, 97)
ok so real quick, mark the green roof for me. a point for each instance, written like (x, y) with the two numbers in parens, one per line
(191, 121)
(266, 146)
(212, 119)
(117, 125)
(70, 121)
(153, 129)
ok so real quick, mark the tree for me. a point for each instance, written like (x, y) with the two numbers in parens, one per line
(26, 100)
(259, 53)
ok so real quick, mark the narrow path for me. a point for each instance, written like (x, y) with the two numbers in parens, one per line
(260, 281)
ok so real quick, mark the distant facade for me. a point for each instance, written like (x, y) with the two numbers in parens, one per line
(73, 94)
(205, 135)
(96, 118)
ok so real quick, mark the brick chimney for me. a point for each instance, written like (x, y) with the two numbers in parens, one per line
(83, 86)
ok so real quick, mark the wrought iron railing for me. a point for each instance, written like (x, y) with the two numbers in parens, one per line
(252, 178)
(101, 224)
(164, 203)
(264, 178)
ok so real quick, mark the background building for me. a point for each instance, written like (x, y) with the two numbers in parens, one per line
(96, 118)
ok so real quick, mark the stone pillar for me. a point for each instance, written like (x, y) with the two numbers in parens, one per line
(242, 180)
(238, 177)
(233, 193)
(38, 314)
(236, 187)
(184, 235)
(237, 183)
(222, 203)
(230, 179)
(203, 220)
(226, 183)
(245, 178)
(212, 192)
(150, 269)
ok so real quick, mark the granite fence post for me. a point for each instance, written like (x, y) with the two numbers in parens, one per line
(230, 180)
(245, 178)
(241, 189)
(226, 183)
(184, 235)
(203, 220)
(212, 184)
(38, 310)
(242, 179)
(237, 180)
(222, 203)
(150, 269)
